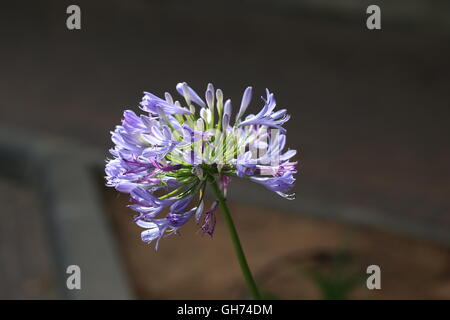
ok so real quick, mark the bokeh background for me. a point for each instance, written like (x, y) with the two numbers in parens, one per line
(370, 112)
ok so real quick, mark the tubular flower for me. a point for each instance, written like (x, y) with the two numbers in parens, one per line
(164, 158)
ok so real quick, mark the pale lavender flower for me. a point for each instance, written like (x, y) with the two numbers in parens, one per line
(266, 116)
(163, 158)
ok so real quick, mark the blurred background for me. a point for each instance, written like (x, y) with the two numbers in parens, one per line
(370, 112)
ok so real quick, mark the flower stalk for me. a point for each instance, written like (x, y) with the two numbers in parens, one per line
(249, 280)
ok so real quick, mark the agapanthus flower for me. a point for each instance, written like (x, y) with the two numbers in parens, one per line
(164, 157)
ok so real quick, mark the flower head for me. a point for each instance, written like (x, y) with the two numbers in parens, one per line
(164, 158)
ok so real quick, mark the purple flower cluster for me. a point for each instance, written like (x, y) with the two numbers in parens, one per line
(164, 158)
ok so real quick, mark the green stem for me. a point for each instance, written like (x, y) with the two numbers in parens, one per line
(251, 284)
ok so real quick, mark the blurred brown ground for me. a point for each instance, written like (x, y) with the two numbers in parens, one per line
(281, 248)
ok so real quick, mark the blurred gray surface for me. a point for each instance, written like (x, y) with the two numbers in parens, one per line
(26, 262)
(58, 220)
(369, 109)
